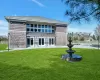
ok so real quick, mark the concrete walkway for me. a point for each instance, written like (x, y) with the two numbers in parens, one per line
(5, 50)
(75, 46)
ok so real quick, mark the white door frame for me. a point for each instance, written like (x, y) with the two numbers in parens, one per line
(41, 41)
(44, 38)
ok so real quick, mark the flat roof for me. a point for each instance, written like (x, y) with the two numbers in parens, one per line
(34, 19)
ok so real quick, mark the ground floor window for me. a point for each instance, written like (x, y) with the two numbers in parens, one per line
(28, 41)
(40, 41)
(31, 41)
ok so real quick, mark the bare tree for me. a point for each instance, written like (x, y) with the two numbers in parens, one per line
(97, 33)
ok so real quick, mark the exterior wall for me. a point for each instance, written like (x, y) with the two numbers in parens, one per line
(36, 37)
(17, 37)
(41, 34)
(61, 35)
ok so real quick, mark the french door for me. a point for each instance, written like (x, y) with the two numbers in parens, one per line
(30, 41)
(41, 41)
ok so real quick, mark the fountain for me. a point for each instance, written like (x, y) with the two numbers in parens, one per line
(71, 56)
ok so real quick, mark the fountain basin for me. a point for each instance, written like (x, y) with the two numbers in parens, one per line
(75, 57)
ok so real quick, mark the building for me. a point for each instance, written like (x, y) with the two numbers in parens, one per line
(35, 31)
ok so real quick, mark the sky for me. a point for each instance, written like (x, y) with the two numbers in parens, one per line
(54, 9)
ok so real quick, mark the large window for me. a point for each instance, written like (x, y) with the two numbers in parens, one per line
(40, 28)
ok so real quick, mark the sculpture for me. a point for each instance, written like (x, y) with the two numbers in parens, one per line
(71, 56)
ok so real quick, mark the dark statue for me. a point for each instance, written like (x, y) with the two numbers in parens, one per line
(71, 56)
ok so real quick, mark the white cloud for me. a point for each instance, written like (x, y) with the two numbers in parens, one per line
(84, 27)
(38, 3)
(3, 27)
(3, 23)
(76, 29)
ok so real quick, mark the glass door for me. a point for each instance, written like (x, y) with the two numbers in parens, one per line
(41, 41)
(30, 41)
(51, 41)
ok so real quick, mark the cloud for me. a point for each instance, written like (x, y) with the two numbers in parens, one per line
(76, 29)
(3, 27)
(3, 23)
(38, 3)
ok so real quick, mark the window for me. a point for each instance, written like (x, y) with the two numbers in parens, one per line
(49, 26)
(39, 41)
(39, 30)
(42, 26)
(35, 30)
(28, 29)
(52, 41)
(43, 30)
(39, 26)
(49, 41)
(45, 26)
(35, 25)
(42, 41)
(46, 30)
(50, 31)
(32, 30)
(28, 41)
(31, 41)
(28, 25)
(31, 25)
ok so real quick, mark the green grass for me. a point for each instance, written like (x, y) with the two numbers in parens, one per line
(3, 46)
(46, 64)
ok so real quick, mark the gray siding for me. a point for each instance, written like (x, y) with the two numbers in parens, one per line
(41, 34)
(61, 35)
(17, 35)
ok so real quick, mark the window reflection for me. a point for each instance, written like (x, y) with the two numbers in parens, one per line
(40, 28)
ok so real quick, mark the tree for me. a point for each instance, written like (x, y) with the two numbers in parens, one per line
(3, 38)
(78, 10)
(94, 38)
(81, 38)
(75, 38)
(97, 33)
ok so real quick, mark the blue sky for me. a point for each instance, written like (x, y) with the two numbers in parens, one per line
(54, 9)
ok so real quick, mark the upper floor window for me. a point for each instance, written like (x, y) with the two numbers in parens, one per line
(31, 25)
(40, 28)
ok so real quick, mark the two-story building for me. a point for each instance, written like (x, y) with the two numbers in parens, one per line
(35, 31)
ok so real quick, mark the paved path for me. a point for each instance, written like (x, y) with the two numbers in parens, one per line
(75, 46)
(5, 50)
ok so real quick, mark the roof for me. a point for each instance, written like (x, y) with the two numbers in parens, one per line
(34, 19)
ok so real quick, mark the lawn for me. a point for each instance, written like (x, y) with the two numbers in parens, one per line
(3, 46)
(46, 64)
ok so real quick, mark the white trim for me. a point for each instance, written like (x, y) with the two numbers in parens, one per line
(61, 32)
(45, 45)
(16, 31)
